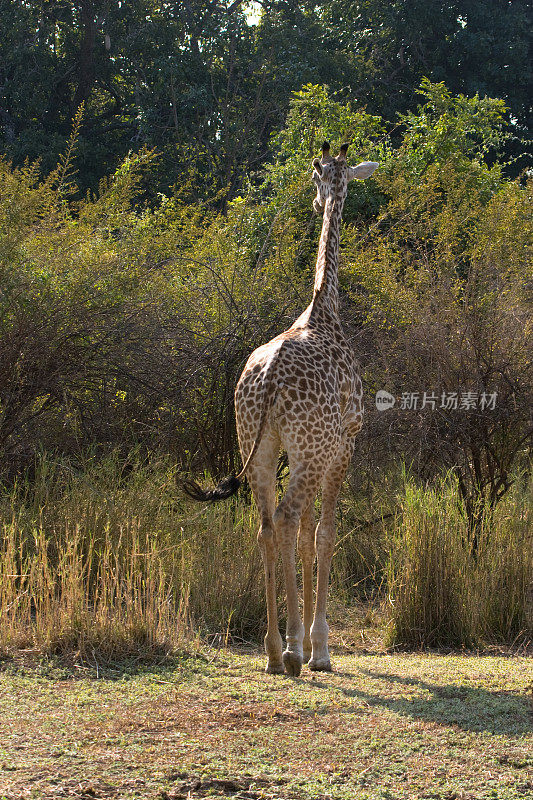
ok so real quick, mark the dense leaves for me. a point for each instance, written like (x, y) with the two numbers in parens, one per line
(208, 83)
(126, 317)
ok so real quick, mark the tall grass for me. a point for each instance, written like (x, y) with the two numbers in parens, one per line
(106, 565)
(442, 595)
(109, 561)
(70, 594)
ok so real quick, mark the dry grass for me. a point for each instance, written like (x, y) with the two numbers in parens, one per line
(443, 595)
(109, 563)
(104, 566)
(114, 599)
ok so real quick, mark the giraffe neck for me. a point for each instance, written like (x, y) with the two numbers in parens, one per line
(326, 290)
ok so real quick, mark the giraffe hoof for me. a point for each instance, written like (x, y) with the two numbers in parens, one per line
(274, 669)
(292, 663)
(320, 665)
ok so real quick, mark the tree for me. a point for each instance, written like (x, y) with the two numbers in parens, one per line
(386, 48)
(208, 89)
(443, 277)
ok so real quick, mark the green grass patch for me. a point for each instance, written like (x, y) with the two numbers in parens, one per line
(214, 725)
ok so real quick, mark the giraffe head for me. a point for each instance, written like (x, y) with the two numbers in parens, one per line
(332, 175)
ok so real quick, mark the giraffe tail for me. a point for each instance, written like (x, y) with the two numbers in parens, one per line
(232, 484)
(225, 489)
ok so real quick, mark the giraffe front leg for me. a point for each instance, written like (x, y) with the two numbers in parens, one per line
(325, 545)
(306, 550)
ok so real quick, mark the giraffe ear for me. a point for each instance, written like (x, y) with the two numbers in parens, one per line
(363, 170)
(318, 166)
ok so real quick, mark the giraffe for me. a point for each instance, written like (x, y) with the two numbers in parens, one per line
(301, 392)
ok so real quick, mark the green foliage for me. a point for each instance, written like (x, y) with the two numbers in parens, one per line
(127, 316)
(208, 89)
(439, 284)
(387, 46)
(451, 126)
(145, 252)
(79, 323)
(128, 322)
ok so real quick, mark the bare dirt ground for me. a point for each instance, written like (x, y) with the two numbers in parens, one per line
(379, 726)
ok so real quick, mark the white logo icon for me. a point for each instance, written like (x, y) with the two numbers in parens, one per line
(384, 400)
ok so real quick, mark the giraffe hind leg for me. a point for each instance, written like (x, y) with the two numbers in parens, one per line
(306, 550)
(302, 488)
(262, 478)
(325, 544)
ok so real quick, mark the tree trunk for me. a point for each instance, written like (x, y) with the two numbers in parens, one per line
(85, 73)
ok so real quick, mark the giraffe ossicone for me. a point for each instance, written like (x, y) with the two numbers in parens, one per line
(301, 392)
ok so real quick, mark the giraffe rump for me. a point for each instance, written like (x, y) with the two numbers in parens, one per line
(225, 488)
(231, 485)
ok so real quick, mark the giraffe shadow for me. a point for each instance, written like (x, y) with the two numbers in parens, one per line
(466, 707)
